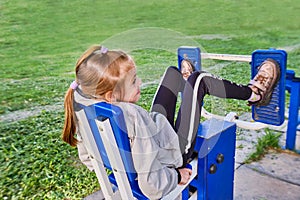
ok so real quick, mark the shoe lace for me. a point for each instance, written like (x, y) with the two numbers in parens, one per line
(263, 78)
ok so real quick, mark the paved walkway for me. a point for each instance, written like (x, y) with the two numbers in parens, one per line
(275, 177)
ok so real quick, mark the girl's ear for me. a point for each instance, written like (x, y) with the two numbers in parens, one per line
(109, 96)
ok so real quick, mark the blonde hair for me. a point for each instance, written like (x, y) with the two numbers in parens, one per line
(97, 72)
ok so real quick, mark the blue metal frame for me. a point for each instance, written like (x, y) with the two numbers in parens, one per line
(293, 87)
(213, 133)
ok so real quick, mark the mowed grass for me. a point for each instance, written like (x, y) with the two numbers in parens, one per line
(41, 40)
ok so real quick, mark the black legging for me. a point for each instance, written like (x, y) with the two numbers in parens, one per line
(193, 91)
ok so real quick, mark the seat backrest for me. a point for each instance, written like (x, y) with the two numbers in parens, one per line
(104, 135)
(99, 116)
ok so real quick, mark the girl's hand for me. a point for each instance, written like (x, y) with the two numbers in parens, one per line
(185, 175)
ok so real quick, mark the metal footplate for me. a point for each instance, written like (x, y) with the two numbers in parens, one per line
(273, 113)
(193, 54)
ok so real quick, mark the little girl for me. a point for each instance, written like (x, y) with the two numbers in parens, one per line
(160, 144)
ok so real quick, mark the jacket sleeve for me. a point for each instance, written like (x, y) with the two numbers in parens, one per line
(154, 179)
(156, 154)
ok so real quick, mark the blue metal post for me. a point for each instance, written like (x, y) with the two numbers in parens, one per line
(293, 113)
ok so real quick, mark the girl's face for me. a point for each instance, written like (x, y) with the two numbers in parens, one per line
(132, 86)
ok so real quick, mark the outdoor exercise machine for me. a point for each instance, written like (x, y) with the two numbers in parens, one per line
(104, 134)
(105, 137)
(271, 116)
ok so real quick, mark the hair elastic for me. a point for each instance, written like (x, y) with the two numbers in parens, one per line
(74, 85)
(103, 50)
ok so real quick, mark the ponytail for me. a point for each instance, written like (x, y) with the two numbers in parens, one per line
(69, 130)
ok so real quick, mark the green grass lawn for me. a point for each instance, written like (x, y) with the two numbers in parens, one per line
(41, 40)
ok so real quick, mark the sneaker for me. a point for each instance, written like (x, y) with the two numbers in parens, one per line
(265, 81)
